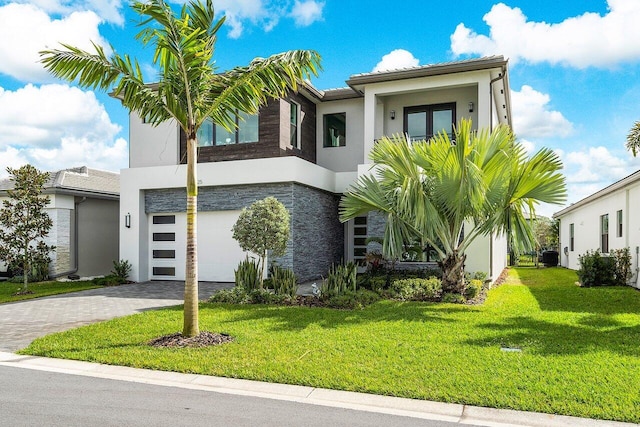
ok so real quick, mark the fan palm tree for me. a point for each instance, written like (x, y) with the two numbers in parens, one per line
(189, 90)
(447, 194)
(633, 139)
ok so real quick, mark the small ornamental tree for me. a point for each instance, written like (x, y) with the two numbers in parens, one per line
(24, 223)
(263, 228)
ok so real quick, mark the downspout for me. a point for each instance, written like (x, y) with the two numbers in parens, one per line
(500, 77)
(76, 256)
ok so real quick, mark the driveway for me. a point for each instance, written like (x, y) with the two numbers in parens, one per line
(22, 322)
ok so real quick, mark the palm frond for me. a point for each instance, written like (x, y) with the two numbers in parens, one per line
(633, 139)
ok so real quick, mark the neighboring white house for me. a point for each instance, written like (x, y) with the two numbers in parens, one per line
(608, 219)
(83, 204)
(305, 149)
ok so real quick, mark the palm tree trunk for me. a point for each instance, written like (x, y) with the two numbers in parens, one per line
(191, 327)
(453, 273)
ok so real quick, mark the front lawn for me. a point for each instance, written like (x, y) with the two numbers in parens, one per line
(42, 289)
(571, 350)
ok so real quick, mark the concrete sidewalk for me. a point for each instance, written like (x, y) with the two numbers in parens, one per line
(462, 414)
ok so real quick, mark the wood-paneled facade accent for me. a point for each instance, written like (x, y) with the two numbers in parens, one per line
(273, 135)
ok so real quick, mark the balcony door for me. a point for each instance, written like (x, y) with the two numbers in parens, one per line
(424, 121)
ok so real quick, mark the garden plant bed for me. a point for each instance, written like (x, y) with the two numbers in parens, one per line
(578, 347)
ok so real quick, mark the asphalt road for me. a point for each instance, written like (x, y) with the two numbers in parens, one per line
(39, 398)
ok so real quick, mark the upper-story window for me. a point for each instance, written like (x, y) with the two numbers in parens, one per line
(246, 131)
(424, 121)
(335, 130)
(294, 124)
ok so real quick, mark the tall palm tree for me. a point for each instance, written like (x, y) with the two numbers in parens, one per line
(188, 91)
(633, 139)
(447, 194)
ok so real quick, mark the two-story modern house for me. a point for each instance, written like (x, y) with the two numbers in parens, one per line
(305, 149)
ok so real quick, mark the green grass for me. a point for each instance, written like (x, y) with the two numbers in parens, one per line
(41, 289)
(580, 347)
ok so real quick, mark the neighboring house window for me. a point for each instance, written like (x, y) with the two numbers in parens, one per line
(571, 236)
(604, 233)
(619, 224)
(335, 130)
(246, 131)
(294, 121)
(424, 121)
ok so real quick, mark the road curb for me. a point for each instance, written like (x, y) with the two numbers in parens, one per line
(451, 412)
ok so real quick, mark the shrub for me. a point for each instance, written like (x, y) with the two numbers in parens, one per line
(341, 279)
(239, 295)
(473, 289)
(352, 300)
(373, 282)
(283, 281)
(236, 295)
(263, 296)
(121, 270)
(596, 270)
(248, 274)
(622, 266)
(453, 298)
(417, 289)
(109, 280)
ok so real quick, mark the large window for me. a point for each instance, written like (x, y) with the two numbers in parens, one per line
(571, 236)
(335, 130)
(604, 233)
(294, 123)
(424, 121)
(619, 224)
(211, 134)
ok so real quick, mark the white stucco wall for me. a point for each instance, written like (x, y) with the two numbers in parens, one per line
(152, 145)
(347, 158)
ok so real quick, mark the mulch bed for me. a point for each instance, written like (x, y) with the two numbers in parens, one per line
(22, 292)
(204, 339)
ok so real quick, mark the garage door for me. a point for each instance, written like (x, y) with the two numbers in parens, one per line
(218, 253)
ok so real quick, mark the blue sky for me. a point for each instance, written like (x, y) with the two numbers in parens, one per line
(573, 69)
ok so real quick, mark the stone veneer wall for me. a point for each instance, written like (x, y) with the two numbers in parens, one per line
(376, 222)
(60, 237)
(317, 237)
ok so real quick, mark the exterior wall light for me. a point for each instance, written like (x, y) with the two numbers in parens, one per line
(392, 114)
(127, 220)
(471, 107)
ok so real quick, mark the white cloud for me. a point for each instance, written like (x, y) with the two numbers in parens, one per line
(532, 117)
(396, 59)
(266, 13)
(57, 126)
(592, 169)
(581, 41)
(108, 10)
(26, 30)
(307, 12)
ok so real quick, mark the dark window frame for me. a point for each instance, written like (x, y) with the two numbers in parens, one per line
(325, 130)
(164, 219)
(236, 132)
(429, 109)
(294, 128)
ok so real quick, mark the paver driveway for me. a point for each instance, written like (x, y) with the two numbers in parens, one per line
(22, 322)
